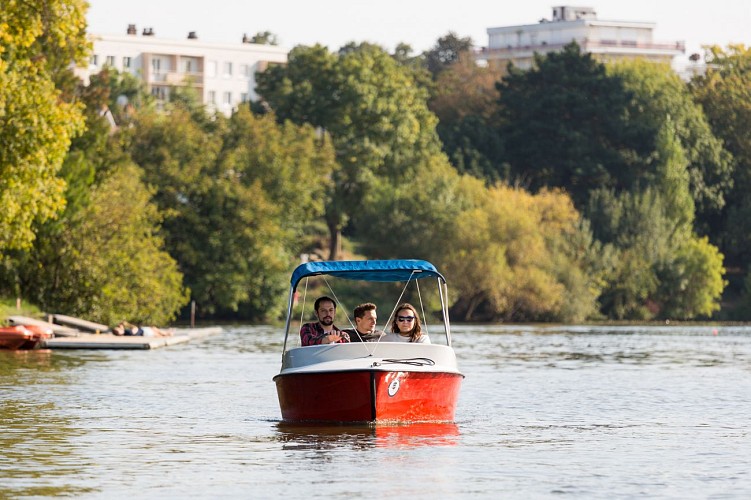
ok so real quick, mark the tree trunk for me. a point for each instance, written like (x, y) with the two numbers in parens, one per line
(335, 240)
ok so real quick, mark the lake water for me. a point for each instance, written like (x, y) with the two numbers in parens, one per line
(544, 412)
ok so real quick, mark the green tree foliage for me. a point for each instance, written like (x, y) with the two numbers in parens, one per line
(724, 92)
(693, 284)
(108, 262)
(672, 178)
(417, 217)
(37, 41)
(104, 257)
(448, 50)
(237, 194)
(660, 269)
(265, 38)
(370, 105)
(660, 100)
(563, 125)
(131, 274)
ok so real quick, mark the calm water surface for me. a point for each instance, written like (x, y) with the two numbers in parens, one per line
(573, 412)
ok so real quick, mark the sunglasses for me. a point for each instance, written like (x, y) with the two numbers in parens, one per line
(405, 318)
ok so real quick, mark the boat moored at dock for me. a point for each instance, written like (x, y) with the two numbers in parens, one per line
(20, 337)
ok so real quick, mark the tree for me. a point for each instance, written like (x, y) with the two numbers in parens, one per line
(465, 102)
(38, 40)
(660, 268)
(724, 92)
(521, 257)
(108, 261)
(237, 195)
(376, 115)
(103, 257)
(694, 283)
(416, 217)
(660, 100)
(265, 38)
(563, 125)
(448, 50)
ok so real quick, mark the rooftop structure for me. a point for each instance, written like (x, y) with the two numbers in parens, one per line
(222, 73)
(606, 40)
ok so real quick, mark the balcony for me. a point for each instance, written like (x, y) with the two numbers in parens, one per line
(177, 79)
(586, 46)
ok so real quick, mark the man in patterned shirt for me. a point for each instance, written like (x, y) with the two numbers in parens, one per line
(323, 331)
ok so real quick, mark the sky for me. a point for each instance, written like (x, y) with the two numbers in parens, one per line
(419, 23)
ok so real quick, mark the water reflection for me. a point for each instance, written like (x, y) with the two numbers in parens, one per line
(329, 437)
(542, 411)
(35, 442)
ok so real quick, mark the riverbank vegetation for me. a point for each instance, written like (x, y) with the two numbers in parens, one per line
(573, 191)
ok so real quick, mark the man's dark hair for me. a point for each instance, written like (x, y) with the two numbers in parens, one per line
(363, 308)
(323, 299)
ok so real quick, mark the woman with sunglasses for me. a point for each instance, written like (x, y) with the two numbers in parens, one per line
(406, 326)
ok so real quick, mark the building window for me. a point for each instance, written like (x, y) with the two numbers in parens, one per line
(244, 97)
(95, 60)
(245, 70)
(227, 98)
(190, 65)
(156, 65)
(228, 69)
(110, 61)
(159, 92)
(211, 97)
(126, 62)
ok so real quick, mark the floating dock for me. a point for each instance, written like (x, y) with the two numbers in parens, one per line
(109, 341)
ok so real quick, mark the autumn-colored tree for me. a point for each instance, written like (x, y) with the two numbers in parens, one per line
(465, 102)
(523, 257)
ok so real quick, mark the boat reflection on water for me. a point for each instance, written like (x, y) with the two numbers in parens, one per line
(423, 434)
(323, 437)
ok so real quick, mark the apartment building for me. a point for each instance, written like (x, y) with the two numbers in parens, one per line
(606, 40)
(222, 73)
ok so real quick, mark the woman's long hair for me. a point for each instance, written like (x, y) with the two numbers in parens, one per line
(416, 332)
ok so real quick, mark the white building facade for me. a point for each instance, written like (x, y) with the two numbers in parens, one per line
(222, 73)
(606, 40)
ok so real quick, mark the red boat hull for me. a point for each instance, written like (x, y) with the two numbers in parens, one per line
(368, 395)
(22, 337)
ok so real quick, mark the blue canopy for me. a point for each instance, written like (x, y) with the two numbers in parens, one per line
(367, 270)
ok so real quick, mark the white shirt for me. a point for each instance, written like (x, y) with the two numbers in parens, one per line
(396, 337)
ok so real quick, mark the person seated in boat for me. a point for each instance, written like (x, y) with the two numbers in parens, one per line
(365, 324)
(323, 331)
(406, 326)
(127, 329)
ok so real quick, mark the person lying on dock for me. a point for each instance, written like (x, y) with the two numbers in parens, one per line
(365, 324)
(128, 329)
(323, 331)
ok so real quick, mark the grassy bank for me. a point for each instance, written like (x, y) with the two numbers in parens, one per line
(9, 307)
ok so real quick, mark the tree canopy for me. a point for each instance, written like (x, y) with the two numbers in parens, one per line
(374, 111)
(37, 43)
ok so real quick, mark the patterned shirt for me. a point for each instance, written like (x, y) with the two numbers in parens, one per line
(313, 334)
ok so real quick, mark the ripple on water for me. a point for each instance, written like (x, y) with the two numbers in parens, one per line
(589, 412)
